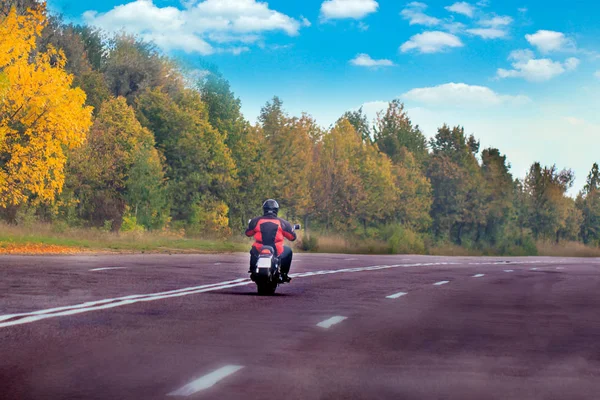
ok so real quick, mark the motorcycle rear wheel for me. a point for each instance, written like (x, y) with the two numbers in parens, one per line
(266, 288)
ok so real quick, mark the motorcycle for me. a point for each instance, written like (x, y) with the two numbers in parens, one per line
(267, 274)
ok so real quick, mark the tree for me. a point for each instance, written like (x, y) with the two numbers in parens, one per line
(359, 121)
(290, 144)
(548, 208)
(199, 163)
(499, 191)
(459, 203)
(588, 203)
(118, 164)
(132, 66)
(414, 202)
(41, 115)
(394, 131)
(339, 191)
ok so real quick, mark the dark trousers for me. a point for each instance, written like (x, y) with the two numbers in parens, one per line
(285, 257)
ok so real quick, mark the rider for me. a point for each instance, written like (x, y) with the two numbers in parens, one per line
(269, 230)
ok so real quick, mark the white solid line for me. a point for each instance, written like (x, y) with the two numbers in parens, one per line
(206, 381)
(331, 321)
(509, 270)
(395, 295)
(478, 275)
(120, 301)
(104, 269)
(441, 283)
(116, 302)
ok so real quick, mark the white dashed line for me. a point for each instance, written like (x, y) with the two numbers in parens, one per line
(533, 269)
(509, 270)
(106, 268)
(395, 295)
(217, 264)
(559, 267)
(206, 381)
(441, 283)
(27, 317)
(350, 259)
(331, 321)
(478, 275)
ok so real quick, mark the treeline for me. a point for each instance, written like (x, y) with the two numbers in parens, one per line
(108, 132)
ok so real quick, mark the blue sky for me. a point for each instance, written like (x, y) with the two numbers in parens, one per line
(522, 75)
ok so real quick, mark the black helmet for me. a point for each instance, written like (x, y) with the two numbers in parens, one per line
(271, 207)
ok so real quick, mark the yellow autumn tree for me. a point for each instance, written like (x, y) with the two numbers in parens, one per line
(41, 115)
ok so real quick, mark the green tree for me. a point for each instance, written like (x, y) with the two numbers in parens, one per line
(459, 203)
(359, 121)
(290, 142)
(109, 170)
(499, 192)
(132, 66)
(548, 208)
(200, 167)
(394, 131)
(588, 203)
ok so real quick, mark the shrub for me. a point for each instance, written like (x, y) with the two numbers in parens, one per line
(402, 240)
(130, 224)
(309, 243)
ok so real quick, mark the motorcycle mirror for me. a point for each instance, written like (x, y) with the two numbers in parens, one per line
(297, 227)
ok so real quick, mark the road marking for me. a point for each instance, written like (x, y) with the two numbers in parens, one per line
(206, 381)
(33, 316)
(116, 302)
(559, 267)
(395, 295)
(331, 321)
(105, 268)
(509, 270)
(217, 263)
(441, 283)
(478, 275)
(533, 269)
(350, 259)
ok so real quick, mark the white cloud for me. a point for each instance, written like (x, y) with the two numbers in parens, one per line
(575, 121)
(523, 10)
(363, 27)
(454, 27)
(496, 21)
(364, 60)
(572, 63)
(535, 70)
(193, 28)
(492, 27)
(461, 94)
(549, 41)
(521, 55)
(488, 33)
(431, 42)
(340, 9)
(463, 8)
(414, 13)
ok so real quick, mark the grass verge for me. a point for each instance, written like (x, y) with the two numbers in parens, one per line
(43, 239)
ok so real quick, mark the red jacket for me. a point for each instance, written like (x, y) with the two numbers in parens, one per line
(270, 231)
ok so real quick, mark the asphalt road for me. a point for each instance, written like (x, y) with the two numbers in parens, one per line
(347, 327)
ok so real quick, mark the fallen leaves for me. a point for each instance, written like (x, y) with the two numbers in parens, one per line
(35, 249)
